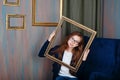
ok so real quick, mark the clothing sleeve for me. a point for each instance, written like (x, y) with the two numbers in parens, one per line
(81, 69)
(43, 49)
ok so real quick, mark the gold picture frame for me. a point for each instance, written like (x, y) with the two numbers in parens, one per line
(8, 21)
(48, 23)
(17, 3)
(92, 32)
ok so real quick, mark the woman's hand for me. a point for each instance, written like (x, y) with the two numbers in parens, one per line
(51, 36)
(86, 54)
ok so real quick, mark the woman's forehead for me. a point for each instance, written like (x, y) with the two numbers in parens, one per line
(76, 37)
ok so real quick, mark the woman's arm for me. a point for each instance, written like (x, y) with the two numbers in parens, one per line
(45, 45)
(85, 54)
(43, 49)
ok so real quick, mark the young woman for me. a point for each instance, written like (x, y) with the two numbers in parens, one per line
(69, 52)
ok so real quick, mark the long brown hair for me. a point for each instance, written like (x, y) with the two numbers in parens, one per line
(76, 51)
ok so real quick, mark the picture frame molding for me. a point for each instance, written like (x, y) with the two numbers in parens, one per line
(17, 3)
(50, 24)
(8, 27)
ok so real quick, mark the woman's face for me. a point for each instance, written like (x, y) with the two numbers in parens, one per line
(74, 41)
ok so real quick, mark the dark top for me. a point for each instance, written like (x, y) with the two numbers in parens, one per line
(56, 66)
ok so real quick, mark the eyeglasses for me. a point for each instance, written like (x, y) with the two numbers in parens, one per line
(73, 40)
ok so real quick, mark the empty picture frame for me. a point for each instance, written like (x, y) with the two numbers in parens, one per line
(12, 2)
(15, 22)
(92, 35)
(43, 15)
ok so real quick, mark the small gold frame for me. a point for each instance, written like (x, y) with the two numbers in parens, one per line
(93, 33)
(9, 16)
(17, 3)
(34, 23)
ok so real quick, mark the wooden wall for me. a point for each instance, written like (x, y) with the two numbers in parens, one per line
(19, 48)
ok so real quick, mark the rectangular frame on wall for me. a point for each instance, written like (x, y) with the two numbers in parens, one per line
(35, 23)
(92, 33)
(9, 27)
(17, 3)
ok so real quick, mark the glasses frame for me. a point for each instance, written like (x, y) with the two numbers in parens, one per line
(92, 32)
(75, 41)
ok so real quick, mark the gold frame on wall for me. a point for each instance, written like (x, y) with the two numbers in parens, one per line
(15, 27)
(34, 23)
(92, 32)
(17, 3)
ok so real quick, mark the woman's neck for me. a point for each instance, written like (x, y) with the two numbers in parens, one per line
(69, 49)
